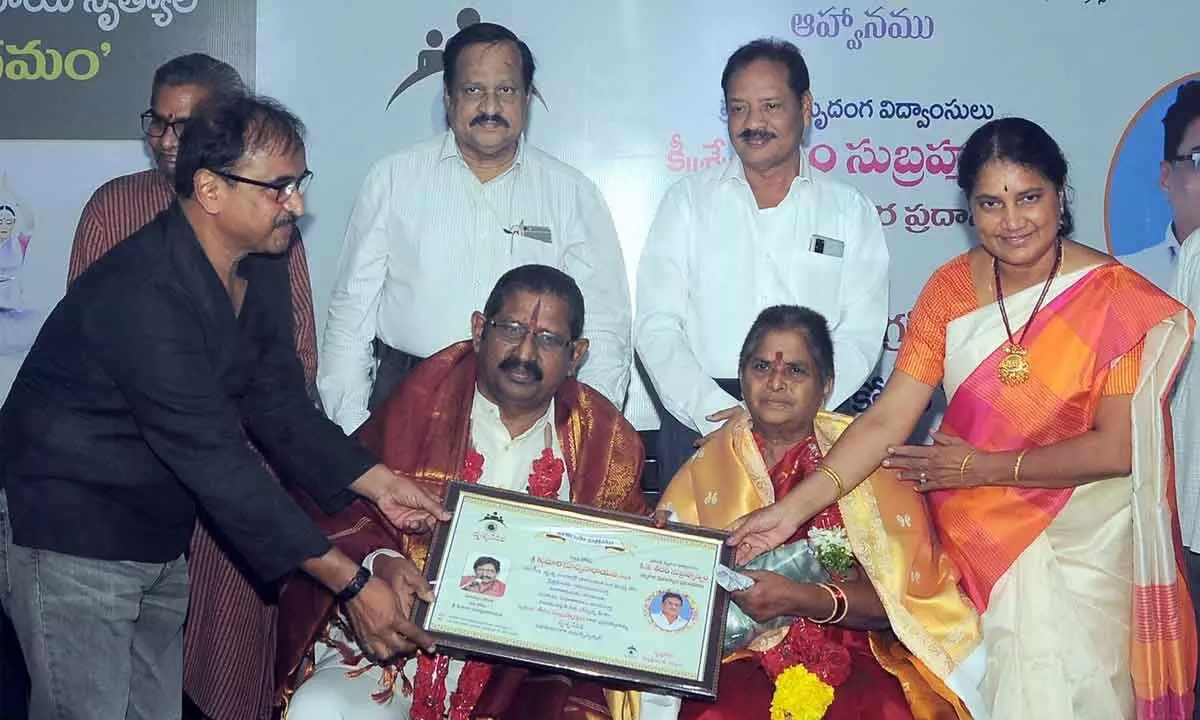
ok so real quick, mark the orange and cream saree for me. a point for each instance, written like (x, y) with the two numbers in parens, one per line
(1085, 613)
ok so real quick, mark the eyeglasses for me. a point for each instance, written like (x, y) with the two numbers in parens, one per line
(1193, 157)
(513, 333)
(156, 125)
(284, 189)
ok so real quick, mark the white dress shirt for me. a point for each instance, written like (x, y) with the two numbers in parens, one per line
(508, 460)
(426, 244)
(713, 260)
(663, 623)
(1157, 262)
(1185, 402)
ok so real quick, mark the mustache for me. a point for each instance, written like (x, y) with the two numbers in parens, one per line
(288, 219)
(484, 117)
(756, 134)
(512, 363)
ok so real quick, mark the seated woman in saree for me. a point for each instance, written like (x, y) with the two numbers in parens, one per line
(1050, 481)
(828, 605)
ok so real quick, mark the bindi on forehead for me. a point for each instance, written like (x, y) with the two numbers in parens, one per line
(537, 311)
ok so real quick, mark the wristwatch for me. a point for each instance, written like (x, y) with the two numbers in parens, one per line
(356, 585)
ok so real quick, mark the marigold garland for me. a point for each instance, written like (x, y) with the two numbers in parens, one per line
(800, 695)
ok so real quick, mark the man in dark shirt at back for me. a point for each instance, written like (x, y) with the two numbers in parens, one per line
(130, 410)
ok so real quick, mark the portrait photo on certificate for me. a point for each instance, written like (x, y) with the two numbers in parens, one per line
(597, 593)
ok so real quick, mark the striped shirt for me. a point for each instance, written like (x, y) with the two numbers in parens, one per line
(1185, 405)
(120, 207)
(426, 243)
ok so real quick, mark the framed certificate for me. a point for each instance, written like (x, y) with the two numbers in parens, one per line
(597, 593)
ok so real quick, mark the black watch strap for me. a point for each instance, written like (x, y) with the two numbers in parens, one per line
(356, 585)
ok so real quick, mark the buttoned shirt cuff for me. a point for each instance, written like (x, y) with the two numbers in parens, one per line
(715, 401)
(369, 561)
(349, 416)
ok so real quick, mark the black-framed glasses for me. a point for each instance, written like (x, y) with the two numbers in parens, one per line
(156, 125)
(513, 333)
(1193, 157)
(284, 189)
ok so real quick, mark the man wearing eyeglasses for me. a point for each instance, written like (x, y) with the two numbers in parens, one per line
(230, 641)
(1180, 180)
(502, 410)
(436, 223)
(1158, 262)
(123, 205)
(131, 412)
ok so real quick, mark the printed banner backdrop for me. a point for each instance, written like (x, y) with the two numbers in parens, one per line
(80, 70)
(632, 98)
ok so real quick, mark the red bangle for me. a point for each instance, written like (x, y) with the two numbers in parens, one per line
(845, 604)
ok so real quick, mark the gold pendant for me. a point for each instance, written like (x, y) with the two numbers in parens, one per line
(1014, 368)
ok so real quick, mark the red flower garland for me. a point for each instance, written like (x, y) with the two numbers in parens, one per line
(472, 468)
(806, 645)
(429, 694)
(546, 478)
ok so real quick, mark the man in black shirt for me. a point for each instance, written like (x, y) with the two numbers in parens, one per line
(131, 409)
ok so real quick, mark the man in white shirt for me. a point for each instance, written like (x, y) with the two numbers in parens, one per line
(436, 224)
(1158, 262)
(1180, 180)
(498, 410)
(762, 230)
(669, 615)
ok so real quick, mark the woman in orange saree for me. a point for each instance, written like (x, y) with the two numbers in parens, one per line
(826, 617)
(1050, 481)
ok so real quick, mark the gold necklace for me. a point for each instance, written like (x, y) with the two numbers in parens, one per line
(1014, 366)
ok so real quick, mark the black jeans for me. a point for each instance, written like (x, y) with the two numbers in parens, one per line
(14, 681)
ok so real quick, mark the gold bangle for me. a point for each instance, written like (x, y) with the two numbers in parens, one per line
(1017, 467)
(835, 477)
(962, 469)
(833, 597)
(845, 605)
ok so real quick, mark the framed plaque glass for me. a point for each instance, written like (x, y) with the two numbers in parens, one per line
(602, 594)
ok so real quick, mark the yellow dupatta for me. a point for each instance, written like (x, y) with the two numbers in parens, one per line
(893, 540)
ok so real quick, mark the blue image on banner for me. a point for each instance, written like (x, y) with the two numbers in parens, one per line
(1136, 210)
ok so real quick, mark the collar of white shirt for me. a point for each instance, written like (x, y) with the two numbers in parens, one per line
(450, 151)
(1172, 242)
(508, 460)
(485, 413)
(735, 171)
